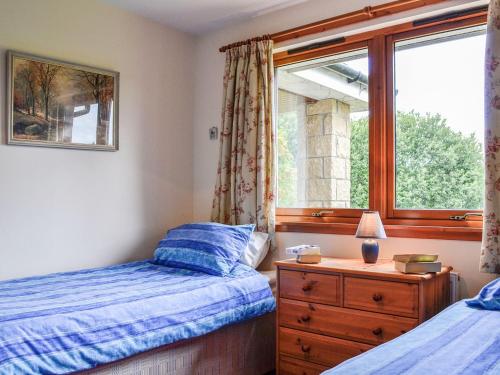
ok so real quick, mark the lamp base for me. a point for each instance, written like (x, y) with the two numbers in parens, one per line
(369, 250)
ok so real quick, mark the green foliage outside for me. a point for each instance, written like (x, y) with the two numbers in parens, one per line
(359, 163)
(437, 167)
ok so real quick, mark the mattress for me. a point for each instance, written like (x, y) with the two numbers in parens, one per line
(459, 340)
(72, 321)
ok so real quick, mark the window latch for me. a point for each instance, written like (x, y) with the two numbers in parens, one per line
(465, 216)
(321, 213)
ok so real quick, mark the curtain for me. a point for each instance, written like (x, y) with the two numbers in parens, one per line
(245, 184)
(490, 249)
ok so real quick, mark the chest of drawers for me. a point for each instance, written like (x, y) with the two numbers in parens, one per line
(335, 310)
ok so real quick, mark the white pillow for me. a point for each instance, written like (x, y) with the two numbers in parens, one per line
(257, 249)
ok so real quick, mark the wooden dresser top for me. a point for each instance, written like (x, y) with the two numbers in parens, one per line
(383, 268)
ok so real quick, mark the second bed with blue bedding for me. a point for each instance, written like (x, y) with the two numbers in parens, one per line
(72, 321)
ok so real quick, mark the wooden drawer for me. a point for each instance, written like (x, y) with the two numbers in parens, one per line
(323, 350)
(293, 366)
(388, 297)
(310, 286)
(351, 324)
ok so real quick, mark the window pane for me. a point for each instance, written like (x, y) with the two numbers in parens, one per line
(323, 132)
(439, 87)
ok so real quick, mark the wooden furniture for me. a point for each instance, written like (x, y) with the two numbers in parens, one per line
(339, 308)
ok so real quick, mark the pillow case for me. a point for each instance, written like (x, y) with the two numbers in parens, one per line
(256, 250)
(212, 248)
(488, 298)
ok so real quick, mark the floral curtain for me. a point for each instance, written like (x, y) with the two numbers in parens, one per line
(245, 185)
(490, 249)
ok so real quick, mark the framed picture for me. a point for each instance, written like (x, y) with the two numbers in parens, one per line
(57, 104)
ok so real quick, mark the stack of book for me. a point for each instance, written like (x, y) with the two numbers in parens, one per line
(416, 263)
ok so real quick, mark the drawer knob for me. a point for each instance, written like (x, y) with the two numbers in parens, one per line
(305, 318)
(305, 348)
(377, 297)
(307, 286)
(377, 331)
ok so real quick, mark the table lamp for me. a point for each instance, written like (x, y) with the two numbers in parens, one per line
(370, 227)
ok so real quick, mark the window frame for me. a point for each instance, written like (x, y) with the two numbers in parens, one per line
(342, 214)
(392, 211)
(416, 223)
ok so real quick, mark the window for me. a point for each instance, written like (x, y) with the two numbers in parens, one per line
(439, 120)
(322, 129)
(389, 121)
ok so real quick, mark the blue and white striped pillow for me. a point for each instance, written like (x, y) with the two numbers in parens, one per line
(207, 247)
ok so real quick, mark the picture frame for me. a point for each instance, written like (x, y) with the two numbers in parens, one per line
(52, 103)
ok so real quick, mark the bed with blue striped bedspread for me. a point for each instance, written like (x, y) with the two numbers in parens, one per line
(459, 340)
(73, 321)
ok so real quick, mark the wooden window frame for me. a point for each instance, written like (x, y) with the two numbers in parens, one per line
(398, 223)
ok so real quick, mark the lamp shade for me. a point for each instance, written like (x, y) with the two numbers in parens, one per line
(370, 226)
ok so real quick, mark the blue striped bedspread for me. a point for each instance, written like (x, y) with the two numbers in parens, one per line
(72, 321)
(459, 340)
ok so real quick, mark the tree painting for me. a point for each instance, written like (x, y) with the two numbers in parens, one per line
(99, 86)
(59, 104)
(27, 82)
(47, 75)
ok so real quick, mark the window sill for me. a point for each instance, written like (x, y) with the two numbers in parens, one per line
(466, 232)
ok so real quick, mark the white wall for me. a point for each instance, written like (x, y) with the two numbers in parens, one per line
(463, 256)
(69, 209)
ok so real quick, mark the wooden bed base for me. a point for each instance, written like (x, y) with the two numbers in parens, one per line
(246, 348)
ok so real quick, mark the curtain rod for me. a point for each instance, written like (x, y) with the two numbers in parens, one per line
(242, 43)
(367, 13)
